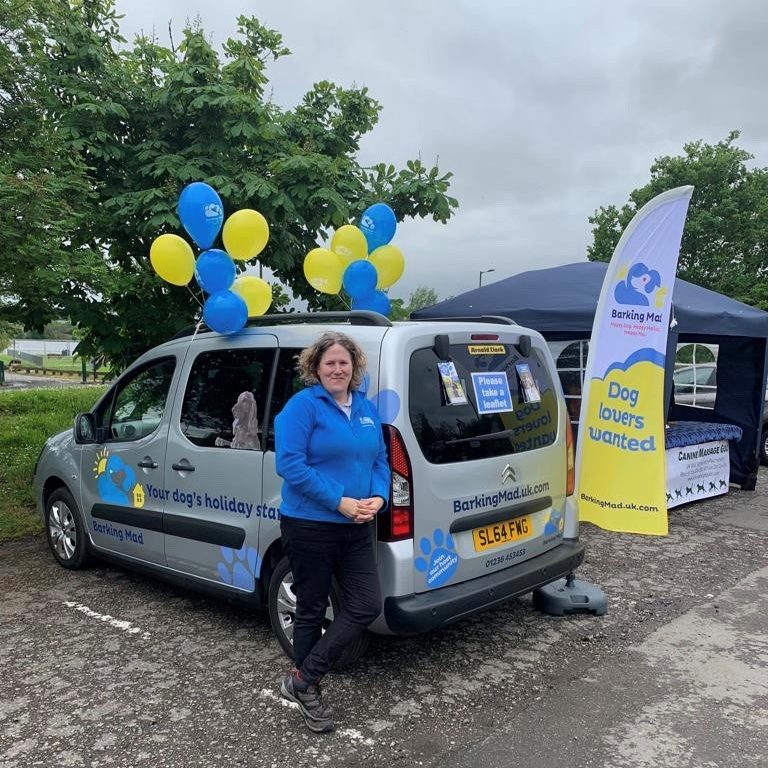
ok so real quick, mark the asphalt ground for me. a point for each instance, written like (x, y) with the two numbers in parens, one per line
(15, 381)
(103, 667)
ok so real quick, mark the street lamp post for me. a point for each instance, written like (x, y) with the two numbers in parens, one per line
(483, 272)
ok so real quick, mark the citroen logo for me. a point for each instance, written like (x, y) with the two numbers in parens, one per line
(508, 474)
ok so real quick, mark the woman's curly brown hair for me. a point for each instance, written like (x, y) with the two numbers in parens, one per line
(309, 358)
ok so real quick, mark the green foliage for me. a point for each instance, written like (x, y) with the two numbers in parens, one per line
(97, 139)
(725, 241)
(29, 418)
(420, 298)
(8, 331)
(685, 352)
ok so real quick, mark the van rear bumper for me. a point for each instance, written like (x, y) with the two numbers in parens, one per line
(420, 613)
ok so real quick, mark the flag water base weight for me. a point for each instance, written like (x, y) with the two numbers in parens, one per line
(568, 596)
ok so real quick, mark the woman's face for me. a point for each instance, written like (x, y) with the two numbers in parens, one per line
(335, 371)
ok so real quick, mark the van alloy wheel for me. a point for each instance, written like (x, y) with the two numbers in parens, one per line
(62, 530)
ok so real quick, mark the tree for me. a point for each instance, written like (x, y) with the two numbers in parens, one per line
(8, 332)
(725, 241)
(120, 131)
(420, 298)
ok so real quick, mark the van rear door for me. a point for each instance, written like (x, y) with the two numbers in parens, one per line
(482, 426)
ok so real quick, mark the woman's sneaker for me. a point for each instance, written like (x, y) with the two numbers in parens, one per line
(316, 715)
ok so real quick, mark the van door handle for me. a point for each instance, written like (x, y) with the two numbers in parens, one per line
(147, 463)
(184, 466)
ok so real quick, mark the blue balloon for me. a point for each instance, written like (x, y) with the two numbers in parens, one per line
(225, 312)
(378, 224)
(201, 213)
(360, 279)
(215, 271)
(378, 301)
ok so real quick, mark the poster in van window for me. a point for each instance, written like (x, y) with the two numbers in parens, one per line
(528, 386)
(452, 386)
(492, 393)
(533, 425)
(622, 427)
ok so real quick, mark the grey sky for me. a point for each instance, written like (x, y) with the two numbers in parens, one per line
(544, 110)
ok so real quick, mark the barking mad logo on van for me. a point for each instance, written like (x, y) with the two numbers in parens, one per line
(116, 481)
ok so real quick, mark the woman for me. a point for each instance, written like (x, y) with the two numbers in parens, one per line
(333, 461)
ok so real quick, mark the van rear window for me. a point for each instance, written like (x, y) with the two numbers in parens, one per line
(474, 421)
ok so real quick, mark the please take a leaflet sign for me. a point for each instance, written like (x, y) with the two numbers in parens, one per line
(492, 392)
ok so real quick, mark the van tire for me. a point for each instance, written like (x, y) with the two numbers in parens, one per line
(281, 599)
(764, 446)
(64, 530)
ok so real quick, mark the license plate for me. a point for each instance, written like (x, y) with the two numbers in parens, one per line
(498, 534)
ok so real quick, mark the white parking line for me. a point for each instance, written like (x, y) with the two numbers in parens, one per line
(125, 626)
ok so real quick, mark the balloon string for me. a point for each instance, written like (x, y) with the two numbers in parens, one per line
(197, 328)
(343, 301)
(197, 301)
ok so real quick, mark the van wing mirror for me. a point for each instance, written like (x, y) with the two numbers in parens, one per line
(524, 345)
(442, 346)
(85, 428)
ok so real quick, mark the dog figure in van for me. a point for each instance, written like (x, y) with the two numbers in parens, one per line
(245, 427)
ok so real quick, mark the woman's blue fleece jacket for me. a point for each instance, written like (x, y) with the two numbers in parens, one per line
(322, 455)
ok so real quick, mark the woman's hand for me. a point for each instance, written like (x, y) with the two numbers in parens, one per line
(360, 510)
(368, 508)
(348, 507)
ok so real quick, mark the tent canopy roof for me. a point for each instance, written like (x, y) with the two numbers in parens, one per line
(563, 300)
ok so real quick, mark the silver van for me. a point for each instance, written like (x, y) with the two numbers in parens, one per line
(157, 477)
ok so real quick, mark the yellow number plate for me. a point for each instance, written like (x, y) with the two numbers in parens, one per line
(498, 534)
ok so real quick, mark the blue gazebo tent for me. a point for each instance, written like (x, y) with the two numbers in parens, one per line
(560, 302)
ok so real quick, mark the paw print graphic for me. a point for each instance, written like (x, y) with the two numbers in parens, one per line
(443, 560)
(239, 567)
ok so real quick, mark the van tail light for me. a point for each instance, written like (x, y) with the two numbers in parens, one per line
(570, 457)
(396, 523)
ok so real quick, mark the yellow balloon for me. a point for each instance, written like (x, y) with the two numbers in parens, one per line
(323, 270)
(349, 243)
(172, 258)
(390, 263)
(255, 292)
(245, 234)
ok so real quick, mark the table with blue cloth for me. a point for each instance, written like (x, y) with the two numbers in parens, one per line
(698, 463)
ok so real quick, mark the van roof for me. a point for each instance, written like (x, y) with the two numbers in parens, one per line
(352, 317)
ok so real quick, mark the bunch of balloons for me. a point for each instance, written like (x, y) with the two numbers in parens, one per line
(360, 260)
(231, 300)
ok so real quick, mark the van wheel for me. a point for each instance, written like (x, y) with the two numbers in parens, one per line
(282, 614)
(764, 447)
(64, 530)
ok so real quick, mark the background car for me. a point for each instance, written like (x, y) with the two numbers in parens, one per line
(696, 385)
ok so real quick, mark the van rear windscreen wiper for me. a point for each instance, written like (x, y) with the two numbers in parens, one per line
(479, 438)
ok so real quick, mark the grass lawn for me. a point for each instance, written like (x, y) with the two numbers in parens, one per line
(28, 418)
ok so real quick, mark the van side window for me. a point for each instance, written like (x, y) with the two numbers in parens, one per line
(139, 401)
(225, 397)
(287, 383)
